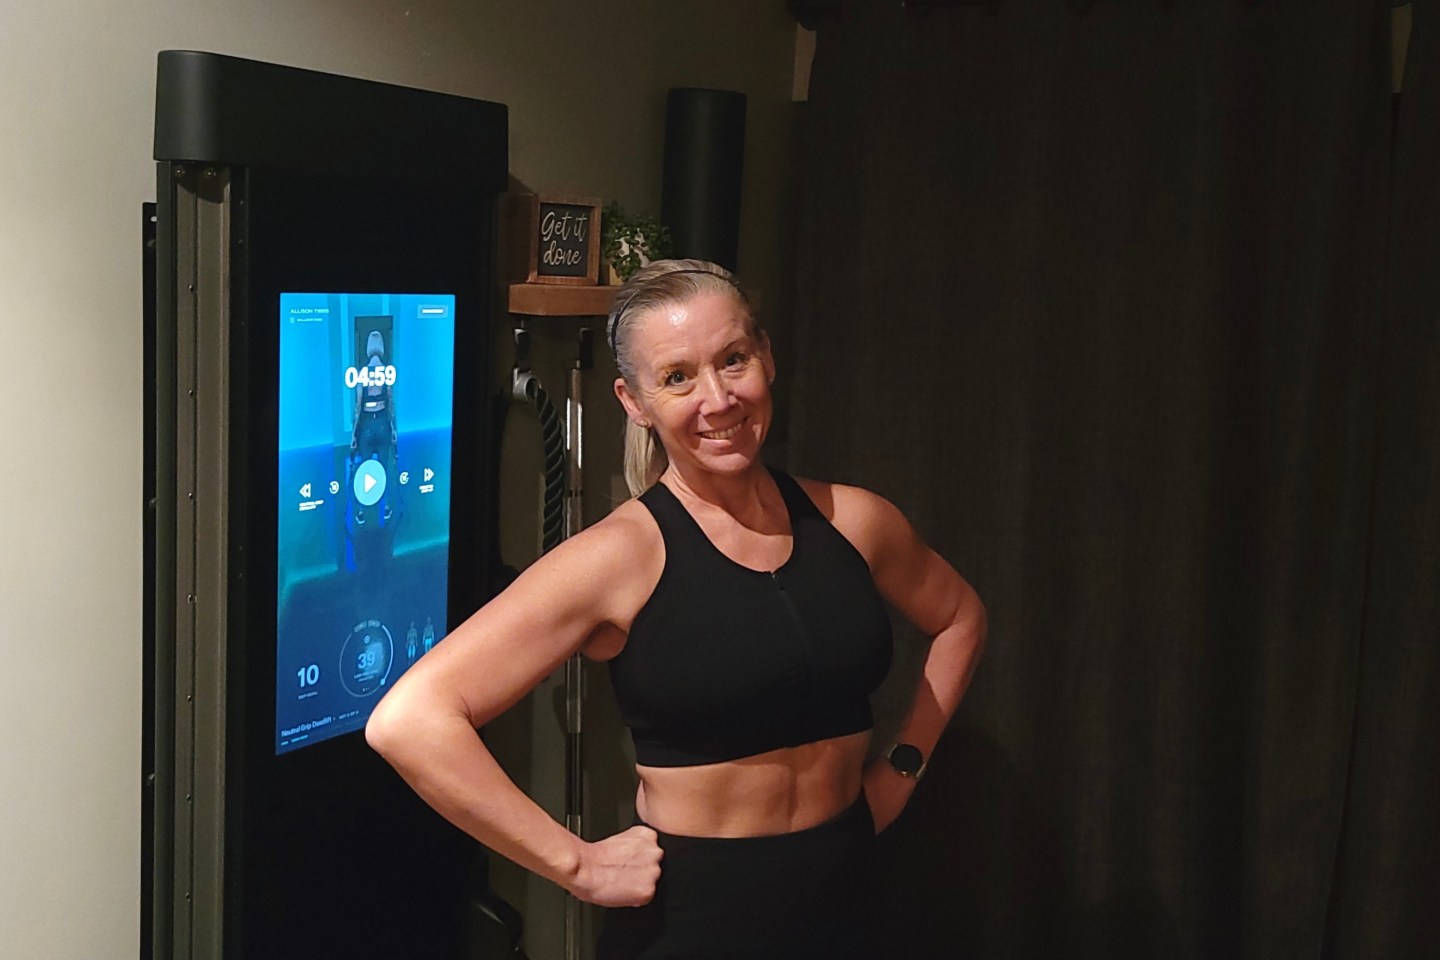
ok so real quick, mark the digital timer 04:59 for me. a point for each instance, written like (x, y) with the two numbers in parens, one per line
(370, 376)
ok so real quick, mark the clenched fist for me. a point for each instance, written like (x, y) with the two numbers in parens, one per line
(621, 870)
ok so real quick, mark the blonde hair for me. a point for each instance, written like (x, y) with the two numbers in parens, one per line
(661, 283)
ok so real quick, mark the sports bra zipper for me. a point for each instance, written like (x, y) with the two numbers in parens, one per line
(805, 642)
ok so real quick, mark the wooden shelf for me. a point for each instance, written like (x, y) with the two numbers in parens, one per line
(561, 300)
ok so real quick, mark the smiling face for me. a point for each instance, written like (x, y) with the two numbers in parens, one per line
(702, 381)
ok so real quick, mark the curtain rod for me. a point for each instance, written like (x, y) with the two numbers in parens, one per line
(810, 13)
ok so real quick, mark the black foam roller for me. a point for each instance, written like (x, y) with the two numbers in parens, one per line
(704, 159)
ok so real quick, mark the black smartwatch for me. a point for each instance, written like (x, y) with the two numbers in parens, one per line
(907, 760)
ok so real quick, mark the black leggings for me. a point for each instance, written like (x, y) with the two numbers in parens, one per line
(810, 893)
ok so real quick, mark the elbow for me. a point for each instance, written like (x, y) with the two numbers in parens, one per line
(407, 719)
(982, 623)
(384, 731)
(974, 623)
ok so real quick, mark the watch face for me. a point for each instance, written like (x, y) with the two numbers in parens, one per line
(906, 759)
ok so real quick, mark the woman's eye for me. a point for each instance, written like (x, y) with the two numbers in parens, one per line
(674, 378)
(735, 359)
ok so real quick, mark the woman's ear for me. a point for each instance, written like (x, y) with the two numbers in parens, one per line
(630, 402)
(767, 359)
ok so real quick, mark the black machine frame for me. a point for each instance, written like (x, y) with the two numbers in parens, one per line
(273, 179)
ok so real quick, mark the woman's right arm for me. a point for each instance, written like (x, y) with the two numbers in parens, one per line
(426, 725)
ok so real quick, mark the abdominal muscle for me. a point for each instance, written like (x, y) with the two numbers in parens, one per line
(779, 791)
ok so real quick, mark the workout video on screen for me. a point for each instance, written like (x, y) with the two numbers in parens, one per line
(366, 387)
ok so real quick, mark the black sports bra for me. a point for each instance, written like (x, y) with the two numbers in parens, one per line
(724, 661)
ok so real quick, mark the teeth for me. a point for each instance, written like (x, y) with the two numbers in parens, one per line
(725, 434)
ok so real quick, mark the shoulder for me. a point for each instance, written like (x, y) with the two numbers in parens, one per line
(869, 521)
(626, 537)
(609, 567)
(624, 541)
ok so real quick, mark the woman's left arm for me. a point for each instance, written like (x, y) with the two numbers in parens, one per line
(932, 595)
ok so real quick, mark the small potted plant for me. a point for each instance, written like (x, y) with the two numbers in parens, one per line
(630, 241)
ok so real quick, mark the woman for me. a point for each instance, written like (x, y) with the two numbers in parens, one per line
(741, 613)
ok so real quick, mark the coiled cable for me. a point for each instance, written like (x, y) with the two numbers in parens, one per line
(552, 432)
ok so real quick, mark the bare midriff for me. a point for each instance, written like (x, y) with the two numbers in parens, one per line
(779, 791)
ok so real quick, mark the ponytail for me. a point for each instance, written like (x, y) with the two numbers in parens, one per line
(645, 459)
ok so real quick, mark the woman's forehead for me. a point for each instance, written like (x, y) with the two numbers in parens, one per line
(706, 321)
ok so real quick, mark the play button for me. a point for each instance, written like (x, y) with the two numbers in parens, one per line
(369, 483)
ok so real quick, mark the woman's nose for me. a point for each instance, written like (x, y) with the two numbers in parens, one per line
(715, 395)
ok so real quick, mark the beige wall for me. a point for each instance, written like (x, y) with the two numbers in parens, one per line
(585, 84)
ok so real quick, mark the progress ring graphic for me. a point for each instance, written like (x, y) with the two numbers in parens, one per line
(366, 658)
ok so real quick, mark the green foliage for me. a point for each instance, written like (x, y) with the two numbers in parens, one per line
(625, 237)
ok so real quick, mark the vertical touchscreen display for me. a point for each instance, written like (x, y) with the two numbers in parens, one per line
(366, 388)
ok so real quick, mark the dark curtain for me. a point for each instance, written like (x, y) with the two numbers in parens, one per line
(1097, 293)
(1387, 886)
